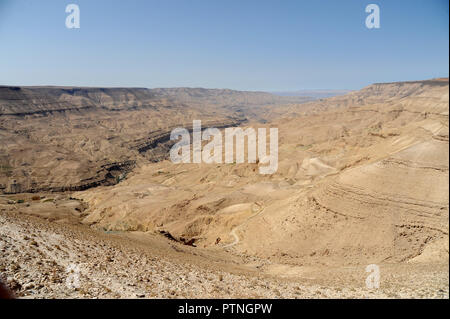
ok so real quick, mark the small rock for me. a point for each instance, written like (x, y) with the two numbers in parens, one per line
(13, 284)
(28, 286)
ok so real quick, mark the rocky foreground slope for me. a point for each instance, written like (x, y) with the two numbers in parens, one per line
(41, 259)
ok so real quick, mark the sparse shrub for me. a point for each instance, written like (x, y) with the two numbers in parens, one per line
(120, 178)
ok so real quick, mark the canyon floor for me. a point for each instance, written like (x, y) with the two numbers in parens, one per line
(92, 208)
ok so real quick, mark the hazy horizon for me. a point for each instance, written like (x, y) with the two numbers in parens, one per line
(276, 92)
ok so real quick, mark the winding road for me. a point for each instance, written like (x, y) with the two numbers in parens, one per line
(233, 231)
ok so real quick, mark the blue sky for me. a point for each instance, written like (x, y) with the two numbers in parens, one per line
(246, 45)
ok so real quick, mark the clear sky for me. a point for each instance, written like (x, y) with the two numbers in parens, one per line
(247, 45)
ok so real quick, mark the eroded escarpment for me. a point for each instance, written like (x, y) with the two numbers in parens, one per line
(22, 101)
(155, 147)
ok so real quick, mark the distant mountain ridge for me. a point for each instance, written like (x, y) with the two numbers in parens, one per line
(316, 94)
(17, 100)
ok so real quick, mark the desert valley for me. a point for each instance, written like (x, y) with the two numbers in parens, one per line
(86, 184)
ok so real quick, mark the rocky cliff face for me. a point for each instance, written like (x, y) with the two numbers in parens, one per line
(33, 100)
